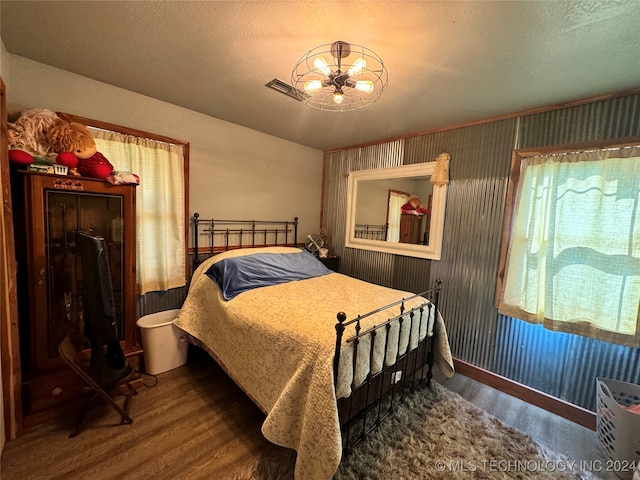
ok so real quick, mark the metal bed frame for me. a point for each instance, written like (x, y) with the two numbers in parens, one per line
(371, 232)
(378, 396)
(240, 230)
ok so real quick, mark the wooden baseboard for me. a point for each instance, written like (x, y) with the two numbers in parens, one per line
(567, 410)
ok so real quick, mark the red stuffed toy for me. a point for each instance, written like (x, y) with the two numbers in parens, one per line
(96, 166)
(414, 206)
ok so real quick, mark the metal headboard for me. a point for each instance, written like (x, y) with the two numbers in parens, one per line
(371, 232)
(246, 233)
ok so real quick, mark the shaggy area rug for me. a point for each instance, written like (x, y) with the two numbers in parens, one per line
(435, 434)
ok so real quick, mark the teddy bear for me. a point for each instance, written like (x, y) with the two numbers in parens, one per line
(76, 139)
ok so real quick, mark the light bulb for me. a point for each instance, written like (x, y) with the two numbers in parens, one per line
(312, 85)
(338, 98)
(365, 86)
(321, 64)
(357, 67)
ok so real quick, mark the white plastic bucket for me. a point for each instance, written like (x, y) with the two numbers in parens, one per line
(165, 345)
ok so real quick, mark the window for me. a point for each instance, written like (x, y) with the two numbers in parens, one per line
(571, 252)
(161, 199)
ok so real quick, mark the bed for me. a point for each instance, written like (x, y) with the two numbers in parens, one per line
(297, 338)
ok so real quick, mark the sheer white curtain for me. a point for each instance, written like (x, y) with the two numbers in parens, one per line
(396, 200)
(160, 247)
(573, 262)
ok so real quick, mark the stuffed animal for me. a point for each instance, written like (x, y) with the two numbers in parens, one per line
(39, 135)
(96, 166)
(414, 206)
(71, 137)
(27, 136)
(76, 138)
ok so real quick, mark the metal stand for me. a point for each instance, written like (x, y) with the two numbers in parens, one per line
(69, 348)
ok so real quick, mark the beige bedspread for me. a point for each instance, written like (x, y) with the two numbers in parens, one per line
(278, 344)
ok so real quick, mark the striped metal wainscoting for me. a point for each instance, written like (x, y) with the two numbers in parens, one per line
(154, 302)
(479, 168)
(560, 364)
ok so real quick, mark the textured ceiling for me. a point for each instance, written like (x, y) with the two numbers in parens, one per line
(448, 62)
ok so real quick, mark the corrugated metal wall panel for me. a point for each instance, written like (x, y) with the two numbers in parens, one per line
(334, 219)
(588, 359)
(480, 162)
(411, 274)
(560, 364)
(479, 151)
(615, 118)
(154, 302)
(529, 354)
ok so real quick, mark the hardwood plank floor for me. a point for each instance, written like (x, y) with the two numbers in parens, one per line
(194, 424)
(197, 424)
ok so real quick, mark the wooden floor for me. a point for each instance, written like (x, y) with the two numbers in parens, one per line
(196, 424)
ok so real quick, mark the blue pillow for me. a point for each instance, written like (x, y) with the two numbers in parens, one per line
(239, 274)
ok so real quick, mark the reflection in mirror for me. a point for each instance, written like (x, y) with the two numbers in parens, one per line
(396, 210)
(392, 210)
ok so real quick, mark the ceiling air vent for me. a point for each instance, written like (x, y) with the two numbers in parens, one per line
(282, 87)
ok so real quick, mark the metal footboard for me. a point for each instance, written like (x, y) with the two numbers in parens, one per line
(378, 396)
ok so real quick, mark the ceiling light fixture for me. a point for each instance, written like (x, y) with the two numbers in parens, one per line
(339, 77)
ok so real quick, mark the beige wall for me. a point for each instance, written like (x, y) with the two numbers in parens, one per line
(235, 172)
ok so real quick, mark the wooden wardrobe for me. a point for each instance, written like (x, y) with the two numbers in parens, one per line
(50, 296)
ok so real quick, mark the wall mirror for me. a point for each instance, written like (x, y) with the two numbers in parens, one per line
(381, 218)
